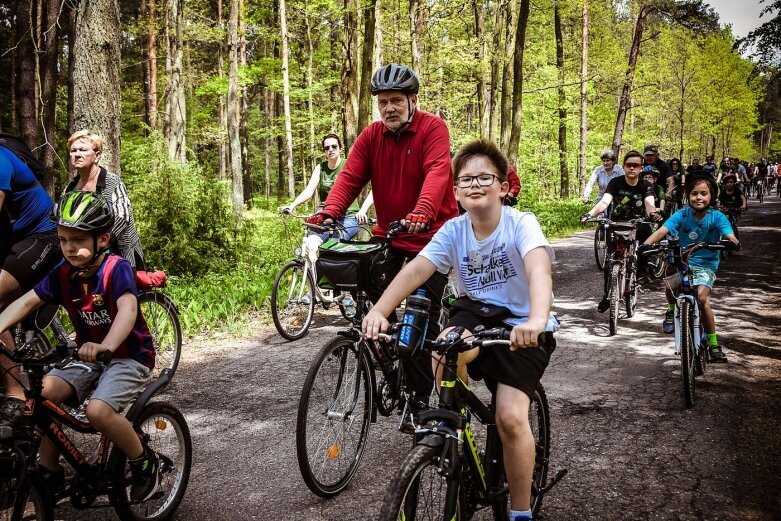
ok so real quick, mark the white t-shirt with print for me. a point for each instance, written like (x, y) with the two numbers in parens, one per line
(491, 270)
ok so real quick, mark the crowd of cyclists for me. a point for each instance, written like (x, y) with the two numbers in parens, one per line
(459, 218)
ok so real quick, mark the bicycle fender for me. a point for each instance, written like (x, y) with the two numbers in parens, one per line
(158, 385)
(432, 440)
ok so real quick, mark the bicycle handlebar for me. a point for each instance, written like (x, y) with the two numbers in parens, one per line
(663, 246)
(59, 353)
(496, 337)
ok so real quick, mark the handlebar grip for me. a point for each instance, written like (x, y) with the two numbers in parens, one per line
(105, 357)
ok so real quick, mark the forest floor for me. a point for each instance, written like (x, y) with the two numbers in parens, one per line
(619, 424)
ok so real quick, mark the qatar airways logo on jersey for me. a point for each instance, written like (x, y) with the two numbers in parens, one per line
(95, 318)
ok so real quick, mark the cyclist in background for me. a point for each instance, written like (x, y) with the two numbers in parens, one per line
(696, 223)
(502, 263)
(650, 176)
(602, 175)
(678, 175)
(709, 167)
(761, 171)
(406, 157)
(651, 158)
(731, 197)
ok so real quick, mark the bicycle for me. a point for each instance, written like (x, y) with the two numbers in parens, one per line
(689, 331)
(296, 291)
(104, 471)
(600, 242)
(446, 475)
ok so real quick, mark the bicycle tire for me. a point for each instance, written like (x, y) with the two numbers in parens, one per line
(404, 499)
(630, 293)
(600, 246)
(293, 314)
(31, 502)
(539, 417)
(688, 352)
(168, 436)
(338, 380)
(162, 317)
(614, 297)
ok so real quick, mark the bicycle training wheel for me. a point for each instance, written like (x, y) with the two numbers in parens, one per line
(600, 246)
(630, 293)
(162, 318)
(293, 301)
(688, 352)
(169, 438)
(419, 490)
(334, 416)
(614, 297)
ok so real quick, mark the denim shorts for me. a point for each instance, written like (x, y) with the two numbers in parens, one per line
(117, 383)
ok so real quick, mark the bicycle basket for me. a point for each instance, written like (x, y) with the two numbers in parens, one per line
(346, 266)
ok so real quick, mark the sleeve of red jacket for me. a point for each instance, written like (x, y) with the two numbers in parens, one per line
(438, 176)
(514, 180)
(351, 180)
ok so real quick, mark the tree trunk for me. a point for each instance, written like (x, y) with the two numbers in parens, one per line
(506, 111)
(482, 73)
(493, 90)
(583, 99)
(149, 12)
(563, 168)
(175, 109)
(233, 108)
(291, 179)
(310, 104)
(377, 55)
(71, 62)
(268, 109)
(364, 100)
(222, 145)
(96, 78)
(517, 98)
(626, 92)
(50, 77)
(244, 110)
(417, 14)
(25, 80)
(350, 74)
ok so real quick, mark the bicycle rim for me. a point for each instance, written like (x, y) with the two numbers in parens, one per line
(334, 416)
(293, 301)
(688, 353)
(614, 297)
(163, 321)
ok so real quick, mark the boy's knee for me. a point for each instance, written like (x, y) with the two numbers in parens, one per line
(511, 422)
(99, 412)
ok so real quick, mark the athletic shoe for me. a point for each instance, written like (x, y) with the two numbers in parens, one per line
(668, 325)
(716, 354)
(603, 305)
(145, 471)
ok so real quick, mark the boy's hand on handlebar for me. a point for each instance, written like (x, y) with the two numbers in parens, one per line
(89, 351)
(525, 335)
(415, 222)
(373, 324)
(585, 217)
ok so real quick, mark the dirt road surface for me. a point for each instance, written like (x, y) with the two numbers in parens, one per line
(633, 451)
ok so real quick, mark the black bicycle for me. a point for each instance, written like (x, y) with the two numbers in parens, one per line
(102, 470)
(447, 475)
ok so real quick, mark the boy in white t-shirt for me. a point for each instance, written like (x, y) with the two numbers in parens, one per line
(502, 263)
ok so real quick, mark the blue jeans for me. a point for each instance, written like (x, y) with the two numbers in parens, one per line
(350, 229)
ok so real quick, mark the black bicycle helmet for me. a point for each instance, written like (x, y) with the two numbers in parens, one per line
(698, 176)
(395, 77)
(86, 211)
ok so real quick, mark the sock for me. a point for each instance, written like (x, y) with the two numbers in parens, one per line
(713, 340)
(139, 459)
(517, 515)
(670, 307)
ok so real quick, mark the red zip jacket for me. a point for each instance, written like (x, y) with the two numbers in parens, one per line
(409, 173)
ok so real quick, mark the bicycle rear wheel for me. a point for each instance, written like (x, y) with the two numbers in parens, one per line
(162, 318)
(614, 297)
(600, 246)
(293, 301)
(688, 352)
(167, 435)
(334, 416)
(419, 490)
(32, 502)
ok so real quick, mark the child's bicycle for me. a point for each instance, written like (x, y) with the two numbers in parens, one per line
(159, 425)
(296, 290)
(447, 475)
(689, 332)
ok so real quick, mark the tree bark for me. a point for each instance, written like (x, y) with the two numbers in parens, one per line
(350, 74)
(493, 89)
(377, 55)
(417, 14)
(291, 179)
(222, 145)
(71, 37)
(506, 111)
(233, 108)
(517, 98)
(25, 80)
(50, 77)
(482, 73)
(149, 14)
(626, 91)
(583, 99)
(244, 110)
(96, 76)
(367, 52)
(310, 104)
(562, 97)
(175, 110)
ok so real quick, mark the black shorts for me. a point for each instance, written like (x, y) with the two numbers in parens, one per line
(521, 368)
(30, 259)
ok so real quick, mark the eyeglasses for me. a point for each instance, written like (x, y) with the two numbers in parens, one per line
(326, 148)
(466, 181)
(633, 165)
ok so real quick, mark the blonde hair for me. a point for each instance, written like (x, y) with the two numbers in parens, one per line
(95, 139)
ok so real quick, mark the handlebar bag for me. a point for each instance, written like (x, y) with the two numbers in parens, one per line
(346, 265)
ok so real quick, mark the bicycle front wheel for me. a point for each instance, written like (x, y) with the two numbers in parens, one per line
(630, 292)
(614, 297)
(688, 351)
(32, 502)
(334, 416)
(293, 301)
(600, 246)
(162, 318)
(539, 419)
(167, 435)
(419, 490)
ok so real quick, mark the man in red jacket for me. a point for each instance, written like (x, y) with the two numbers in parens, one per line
(406, 156)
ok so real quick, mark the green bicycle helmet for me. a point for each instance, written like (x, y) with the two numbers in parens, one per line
(86, 211)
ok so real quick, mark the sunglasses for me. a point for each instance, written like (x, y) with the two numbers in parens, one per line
(326, 148)
(633, 165)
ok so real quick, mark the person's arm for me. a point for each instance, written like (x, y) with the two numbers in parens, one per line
(2, 199)
(438, 175)
(308, 192)
(537, 265)
(127, 310)
(18, 309)
(657, 236)
(586, 195)
(362, 215)
(414, 274)
(352, 178)
(650, 205)
(601, 206)
(743, 202)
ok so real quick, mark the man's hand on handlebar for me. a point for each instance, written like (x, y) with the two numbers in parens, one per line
(525, 335)
(320, 219)
(415, 222)
(90, 352)
(373, 324)
(585, 217)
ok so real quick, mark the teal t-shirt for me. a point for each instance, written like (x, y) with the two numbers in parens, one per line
(710, 229)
